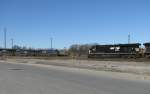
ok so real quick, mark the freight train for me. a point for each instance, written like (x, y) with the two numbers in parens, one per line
(32, 52)
(133, 50)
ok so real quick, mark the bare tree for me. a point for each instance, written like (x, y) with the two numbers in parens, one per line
(79, 50)
(74, 49)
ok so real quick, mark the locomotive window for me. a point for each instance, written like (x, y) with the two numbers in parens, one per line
(112, 48)
(117, 49)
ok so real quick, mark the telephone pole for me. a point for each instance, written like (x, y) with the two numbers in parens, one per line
(12, 43)
(5, 38)
(129, 39)
(51, 43)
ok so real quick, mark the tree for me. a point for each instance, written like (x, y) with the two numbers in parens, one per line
(78, 50)
(17, 47)
(74, 49)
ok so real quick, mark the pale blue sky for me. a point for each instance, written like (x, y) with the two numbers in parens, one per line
(33, 22)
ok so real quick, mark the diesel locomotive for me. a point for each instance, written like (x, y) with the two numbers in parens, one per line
(119, 51)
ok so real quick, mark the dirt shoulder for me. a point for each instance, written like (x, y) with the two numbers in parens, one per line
(139, 68)
(126, 70)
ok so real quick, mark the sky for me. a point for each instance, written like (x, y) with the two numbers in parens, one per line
(33, 23)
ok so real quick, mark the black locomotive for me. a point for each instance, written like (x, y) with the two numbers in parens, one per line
(115, 51)
(147, 50)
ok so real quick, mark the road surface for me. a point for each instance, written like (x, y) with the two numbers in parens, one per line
(24, 79)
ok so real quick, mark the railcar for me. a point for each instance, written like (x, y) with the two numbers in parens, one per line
(147, 50)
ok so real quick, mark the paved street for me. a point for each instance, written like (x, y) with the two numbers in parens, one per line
(23, 79)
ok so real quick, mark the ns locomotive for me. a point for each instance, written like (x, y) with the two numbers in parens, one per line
(116, 51)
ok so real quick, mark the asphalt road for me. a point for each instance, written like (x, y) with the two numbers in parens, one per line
(23, 79)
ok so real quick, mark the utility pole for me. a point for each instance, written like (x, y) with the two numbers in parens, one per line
(5, 37)
(51, 43)
(129, 39)
(12, 43)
